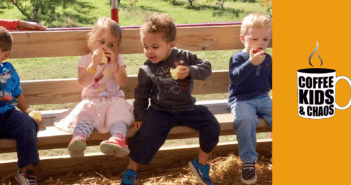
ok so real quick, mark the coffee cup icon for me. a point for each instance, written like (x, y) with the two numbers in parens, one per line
(316, 93)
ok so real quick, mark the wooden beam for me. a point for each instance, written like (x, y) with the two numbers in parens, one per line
(68, 90)
(166, 157)
(52, 138)
(74, 43)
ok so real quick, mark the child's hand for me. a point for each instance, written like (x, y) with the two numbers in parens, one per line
(113, 58)
(96, 58)
(24, 25)
(36, 115)
(137, 124)
(183, 72)
(257, 58)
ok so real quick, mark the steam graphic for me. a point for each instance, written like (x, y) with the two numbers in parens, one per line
(314, 51)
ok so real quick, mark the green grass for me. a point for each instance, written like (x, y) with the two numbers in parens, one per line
(85, 13)
(66, 67)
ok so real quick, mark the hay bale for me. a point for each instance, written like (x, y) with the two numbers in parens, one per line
(224, 171)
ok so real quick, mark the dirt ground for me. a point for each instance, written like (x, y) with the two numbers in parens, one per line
(224, 171)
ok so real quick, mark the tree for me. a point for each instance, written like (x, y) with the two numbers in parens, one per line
(191, 2)
(220, 2)
(35, 9)
(268, 5)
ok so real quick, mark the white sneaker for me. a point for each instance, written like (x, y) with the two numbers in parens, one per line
(27, 178)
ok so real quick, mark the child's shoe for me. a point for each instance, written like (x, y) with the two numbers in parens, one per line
(248, 175)
(201, 172)
(27, 178)
(77, 146)
(128, 177)
(114, 146)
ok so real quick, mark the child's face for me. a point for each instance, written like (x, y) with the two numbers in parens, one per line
(107, 41)
(156, 48)
(3, 55)
(256, 38)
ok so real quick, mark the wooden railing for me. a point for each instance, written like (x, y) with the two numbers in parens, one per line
(57, 91)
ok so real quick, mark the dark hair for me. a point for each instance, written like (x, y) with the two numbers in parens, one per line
(160, 23)
(5, 39)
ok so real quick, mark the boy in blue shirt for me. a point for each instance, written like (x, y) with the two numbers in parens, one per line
(14, 124)
(250, 73)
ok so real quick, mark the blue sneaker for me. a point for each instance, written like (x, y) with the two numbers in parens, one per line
(128, 177)
(248, 175)
(201, 172)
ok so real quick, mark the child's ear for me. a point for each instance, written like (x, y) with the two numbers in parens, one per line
(172, 44)
(6, 55)
(242, 38)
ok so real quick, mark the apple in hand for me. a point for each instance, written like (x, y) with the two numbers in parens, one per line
(36, 115)
(103, 58)
(258, 50)
(175, 73)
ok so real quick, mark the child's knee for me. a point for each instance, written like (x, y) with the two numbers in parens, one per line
(245, 122)
(216, 128)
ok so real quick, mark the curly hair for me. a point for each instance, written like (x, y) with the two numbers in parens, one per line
(160, 23)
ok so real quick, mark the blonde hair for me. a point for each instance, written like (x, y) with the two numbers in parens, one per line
(160, 23)
(5, 39)
(101, 25)
(255, 20)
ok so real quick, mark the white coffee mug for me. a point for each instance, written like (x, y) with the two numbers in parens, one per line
(316, 93)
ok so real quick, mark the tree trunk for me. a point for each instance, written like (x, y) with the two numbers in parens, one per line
(35, 19)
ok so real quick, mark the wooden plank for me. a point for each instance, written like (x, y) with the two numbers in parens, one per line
(51, 137)
(73, 43)
(68, 90)
(166, 157)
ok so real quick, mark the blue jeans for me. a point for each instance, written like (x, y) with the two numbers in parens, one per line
(18, 126)
(246, 120)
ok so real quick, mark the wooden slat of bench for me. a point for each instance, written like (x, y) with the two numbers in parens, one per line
(73, 43)
(68, 90)
(51, 137)
(166, 157)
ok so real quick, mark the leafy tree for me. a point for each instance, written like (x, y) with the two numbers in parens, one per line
(191, 2)
(220, 2)
(268, 5)
(35, 9)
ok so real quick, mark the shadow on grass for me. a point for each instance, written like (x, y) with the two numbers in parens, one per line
(216, 9)
(245, 1)
(80, 15)
(83, 7)
(2, 8)
(144, 8)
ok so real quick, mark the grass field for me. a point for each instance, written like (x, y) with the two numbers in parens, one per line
(84, 14)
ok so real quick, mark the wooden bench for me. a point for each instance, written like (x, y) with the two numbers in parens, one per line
(57, 91)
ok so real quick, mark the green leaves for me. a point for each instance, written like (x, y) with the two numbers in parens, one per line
(34, 10)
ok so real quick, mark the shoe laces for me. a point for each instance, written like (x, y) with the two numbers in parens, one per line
(114, 139)
(204, 169)
(29, 175)
(249, 166)
(78, 137)
(130, 175)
